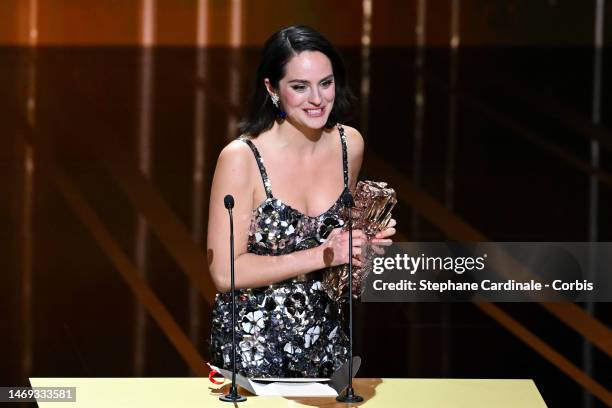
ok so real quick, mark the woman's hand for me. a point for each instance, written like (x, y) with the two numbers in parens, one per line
(383, 236)
(335, 249)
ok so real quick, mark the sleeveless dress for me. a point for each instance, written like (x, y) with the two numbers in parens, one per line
(291, 328)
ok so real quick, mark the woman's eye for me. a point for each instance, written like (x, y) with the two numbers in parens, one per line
(298, 88)
(327, 83)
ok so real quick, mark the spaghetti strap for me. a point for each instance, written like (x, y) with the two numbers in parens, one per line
(262, 169)
(344, 156)
(264, 174)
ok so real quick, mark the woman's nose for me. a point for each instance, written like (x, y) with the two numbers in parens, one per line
(315, 97)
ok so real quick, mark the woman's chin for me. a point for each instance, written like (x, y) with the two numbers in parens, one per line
(315, 122)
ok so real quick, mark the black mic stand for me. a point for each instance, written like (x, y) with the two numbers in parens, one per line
(233, 396)
(350, 396)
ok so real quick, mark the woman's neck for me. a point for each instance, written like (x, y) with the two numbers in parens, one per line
(296, 137)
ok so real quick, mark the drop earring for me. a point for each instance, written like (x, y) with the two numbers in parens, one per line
(275, 102)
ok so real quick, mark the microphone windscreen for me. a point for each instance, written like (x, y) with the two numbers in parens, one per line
(228, 201)
(347, 198)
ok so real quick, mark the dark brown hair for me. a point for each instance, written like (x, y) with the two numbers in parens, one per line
(276, 53)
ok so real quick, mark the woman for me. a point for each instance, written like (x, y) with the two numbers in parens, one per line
(286, 231)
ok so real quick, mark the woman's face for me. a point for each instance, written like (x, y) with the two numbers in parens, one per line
(307, 90)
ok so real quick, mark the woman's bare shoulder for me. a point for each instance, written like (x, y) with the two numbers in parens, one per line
(235, 159)
(354, 141)
(235, 151)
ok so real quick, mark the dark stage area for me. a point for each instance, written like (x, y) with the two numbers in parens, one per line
(113, 164)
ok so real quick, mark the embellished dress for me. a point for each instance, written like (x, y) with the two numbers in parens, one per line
(291, 328)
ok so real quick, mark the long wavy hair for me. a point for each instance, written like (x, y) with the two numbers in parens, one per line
(276, 53)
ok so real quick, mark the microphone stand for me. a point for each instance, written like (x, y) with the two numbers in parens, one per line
(350, 396)
(233, 396)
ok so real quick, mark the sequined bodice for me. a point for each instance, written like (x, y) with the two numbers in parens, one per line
(277, 228)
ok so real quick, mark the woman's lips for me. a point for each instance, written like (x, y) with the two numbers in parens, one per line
(315, 112)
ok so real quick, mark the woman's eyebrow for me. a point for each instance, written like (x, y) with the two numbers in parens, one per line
(303, 81)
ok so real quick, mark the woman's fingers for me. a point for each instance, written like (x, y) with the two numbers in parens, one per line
(358, 242)
(358, 235)
(378, 250)
(389, 232)
(382, 241)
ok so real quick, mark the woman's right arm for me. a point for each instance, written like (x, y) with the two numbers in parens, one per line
(234, 175)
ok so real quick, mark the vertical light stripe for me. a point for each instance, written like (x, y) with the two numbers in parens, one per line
(236, 24)
(199, 154)
(598, 45)
(234, 87)
(145, 152)
(419, 103)
(33, 23)
(145, 140)
(235, 34)
(420, 28)
(31, 68)
(449, 185)
(202, 24)
(26, 277)
(148, 23)
(419, 114)
(455, 24)
(197, 208)
(366, 40)
(455, 39)
(593, 233)
(28, 195)
(596, 114)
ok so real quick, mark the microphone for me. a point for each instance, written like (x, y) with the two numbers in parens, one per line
(350, 396)
(233, 396)
(229, 202)
(347, 199)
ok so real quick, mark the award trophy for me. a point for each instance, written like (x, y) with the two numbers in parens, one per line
(371, 214)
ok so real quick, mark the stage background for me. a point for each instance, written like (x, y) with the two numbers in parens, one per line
(491, 119)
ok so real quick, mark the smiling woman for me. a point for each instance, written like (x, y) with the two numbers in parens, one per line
(287, 326)
(312, 95)
(303, 70)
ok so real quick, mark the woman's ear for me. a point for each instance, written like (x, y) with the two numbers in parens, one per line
(269, 87)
